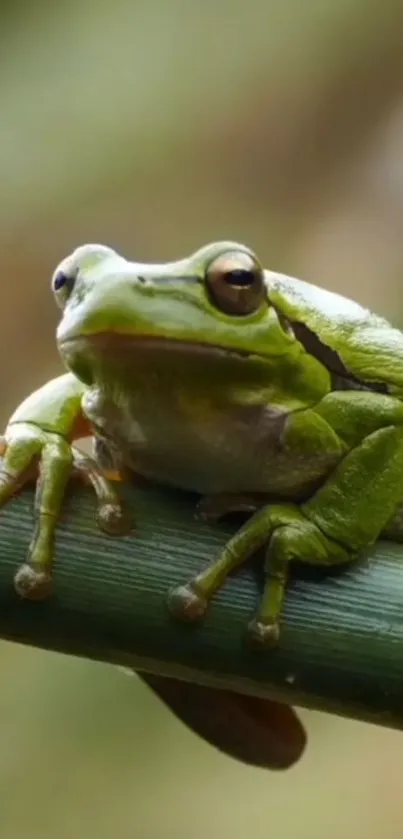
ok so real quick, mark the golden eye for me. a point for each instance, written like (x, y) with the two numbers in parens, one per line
(235, 282)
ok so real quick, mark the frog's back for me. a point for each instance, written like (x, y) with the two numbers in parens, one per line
(369, 348)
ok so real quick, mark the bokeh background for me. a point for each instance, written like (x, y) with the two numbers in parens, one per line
(157, 126)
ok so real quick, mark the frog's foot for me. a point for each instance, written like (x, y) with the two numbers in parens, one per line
(32, 583)
(290, 536)
(264, 634)
(186, 603)
(28, 450)
(112, 518)
(214, 507)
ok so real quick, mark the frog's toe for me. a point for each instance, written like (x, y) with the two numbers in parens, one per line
(186, 603)
(114, 520)
(32, 584)
(264, 633)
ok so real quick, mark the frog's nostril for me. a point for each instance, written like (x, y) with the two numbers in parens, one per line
(142, 280)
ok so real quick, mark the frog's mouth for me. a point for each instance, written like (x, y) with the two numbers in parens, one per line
(115, 344)
(96, 357)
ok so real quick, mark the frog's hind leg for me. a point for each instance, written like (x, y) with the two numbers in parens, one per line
(344, 517)
(189, 602)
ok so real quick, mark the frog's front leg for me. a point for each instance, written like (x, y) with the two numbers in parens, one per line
(344, 517)
(38, 439)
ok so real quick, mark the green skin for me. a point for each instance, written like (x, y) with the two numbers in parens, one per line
(233, 406)
(288, 405)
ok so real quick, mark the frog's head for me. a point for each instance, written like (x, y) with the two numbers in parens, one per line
(214, 301)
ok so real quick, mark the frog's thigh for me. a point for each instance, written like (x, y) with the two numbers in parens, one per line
(363, 491)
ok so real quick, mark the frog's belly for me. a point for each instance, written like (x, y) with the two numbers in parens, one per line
(222, 453)
(209, 472)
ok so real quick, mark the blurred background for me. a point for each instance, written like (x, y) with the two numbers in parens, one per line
(154, 127)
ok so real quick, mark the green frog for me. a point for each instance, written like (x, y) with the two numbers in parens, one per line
(260, 392)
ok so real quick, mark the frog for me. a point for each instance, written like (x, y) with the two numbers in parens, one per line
(261, 393)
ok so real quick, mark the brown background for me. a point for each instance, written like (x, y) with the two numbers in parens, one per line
(156, 126)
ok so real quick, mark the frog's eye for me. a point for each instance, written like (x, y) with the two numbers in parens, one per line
(62, 285)
(235, 282)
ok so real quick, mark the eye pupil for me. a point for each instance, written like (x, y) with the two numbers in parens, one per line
(240, 277)
(59, 281)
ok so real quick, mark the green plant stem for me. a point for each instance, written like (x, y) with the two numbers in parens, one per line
(341, 648)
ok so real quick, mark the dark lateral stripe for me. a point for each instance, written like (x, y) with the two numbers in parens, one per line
(343, 378)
